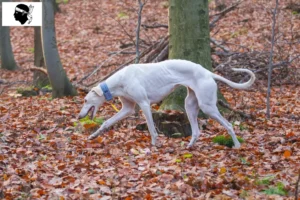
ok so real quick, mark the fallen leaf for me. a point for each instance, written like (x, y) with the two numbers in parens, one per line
(287, 154)
(223, 170)
(187, 155)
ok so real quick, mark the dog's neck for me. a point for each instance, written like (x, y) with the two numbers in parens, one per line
(113, 86)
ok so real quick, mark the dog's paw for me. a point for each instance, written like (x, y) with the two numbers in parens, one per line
(237, 146)
(91, 137)
(190, 147)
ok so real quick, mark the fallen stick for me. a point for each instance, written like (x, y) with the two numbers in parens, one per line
(163, 54)
(225, 105)
(40, 69)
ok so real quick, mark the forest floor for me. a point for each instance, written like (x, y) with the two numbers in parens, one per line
(43, 155)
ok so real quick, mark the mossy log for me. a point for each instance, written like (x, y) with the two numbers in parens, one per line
(170, 124)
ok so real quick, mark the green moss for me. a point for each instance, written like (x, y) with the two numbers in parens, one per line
(122, 15)
(265, 181)
(28, 91)
(62, 1)
(226, 140)
(48, 87)
(86, 120)
(31, 50)
(278, 189)
(21, 90)
(244, 194)
(98, 121)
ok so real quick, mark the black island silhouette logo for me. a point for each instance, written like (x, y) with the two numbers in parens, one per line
(23, 13)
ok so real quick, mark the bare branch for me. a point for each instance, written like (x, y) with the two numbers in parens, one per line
(218, 44)
(223, 64)
(270, 60)
(100, 66)
(225, 105)
(141, 5)
(155, 26)
(162, 55)
(219, 15)
(123, 65)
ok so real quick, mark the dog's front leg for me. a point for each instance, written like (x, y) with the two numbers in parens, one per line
(127, 109)
(147, 112)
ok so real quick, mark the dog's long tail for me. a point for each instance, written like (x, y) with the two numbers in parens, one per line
(237, 85)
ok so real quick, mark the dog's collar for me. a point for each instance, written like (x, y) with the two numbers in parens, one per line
(106, 92)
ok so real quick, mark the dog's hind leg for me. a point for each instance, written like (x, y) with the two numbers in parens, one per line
(207, 98)
(213, 112)
(192, 110)
(127, 109)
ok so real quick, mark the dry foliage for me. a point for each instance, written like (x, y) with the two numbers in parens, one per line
(43, 156)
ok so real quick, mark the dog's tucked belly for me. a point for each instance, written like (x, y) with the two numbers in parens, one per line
(159, 94)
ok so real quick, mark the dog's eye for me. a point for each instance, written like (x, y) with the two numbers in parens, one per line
(85, 101)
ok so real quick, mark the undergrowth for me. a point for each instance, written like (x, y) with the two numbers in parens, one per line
(226, 140)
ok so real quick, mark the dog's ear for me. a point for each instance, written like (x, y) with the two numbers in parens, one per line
(97, 90)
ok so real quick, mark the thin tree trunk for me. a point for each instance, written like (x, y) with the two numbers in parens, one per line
(61, 86)
(7, 57)
(38, 48)
(39, 79)
(271, 60)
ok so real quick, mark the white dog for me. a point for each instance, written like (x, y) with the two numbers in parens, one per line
(145, 84)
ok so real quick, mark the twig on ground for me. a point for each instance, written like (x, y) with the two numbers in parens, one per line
(2, 81)
(270, 60)
(8, 84)
(117, 52)
(223, 64)
(218, 44)
(40, 69)
(81, 87)
(225, 105)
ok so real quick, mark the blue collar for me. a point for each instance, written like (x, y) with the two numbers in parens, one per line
(106, 92)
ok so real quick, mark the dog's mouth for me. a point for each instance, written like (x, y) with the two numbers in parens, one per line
(92, 109)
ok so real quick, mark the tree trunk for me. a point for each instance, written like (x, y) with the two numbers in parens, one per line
(38, 48)
(7, 57)
(189, 40)
(55, 7)
(61, 86)
(39, 79)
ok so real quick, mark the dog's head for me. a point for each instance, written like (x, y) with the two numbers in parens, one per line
(92, 101)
